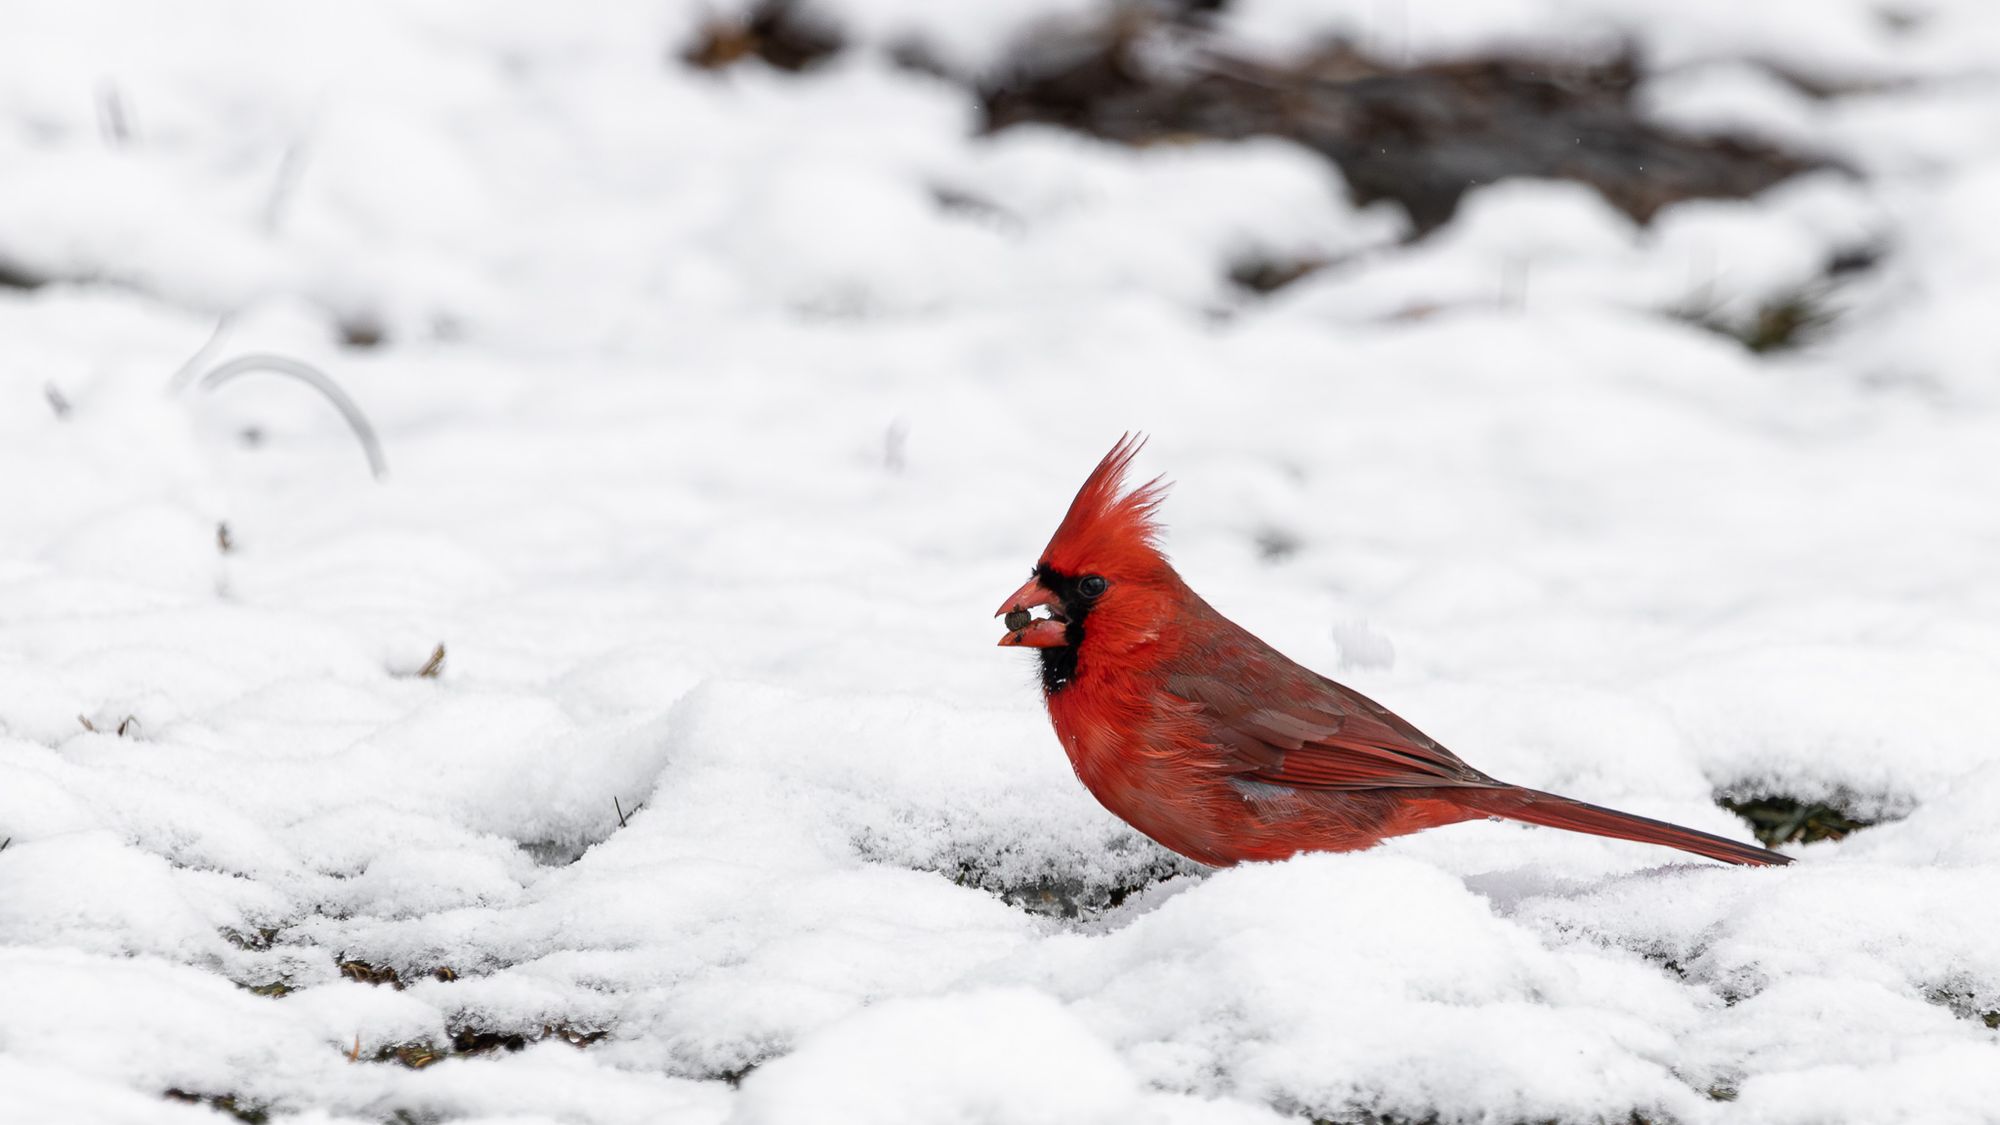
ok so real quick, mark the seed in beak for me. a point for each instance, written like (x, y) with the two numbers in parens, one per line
(1017, 619)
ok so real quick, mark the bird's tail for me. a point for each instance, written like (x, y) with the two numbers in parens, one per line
(1536, 807)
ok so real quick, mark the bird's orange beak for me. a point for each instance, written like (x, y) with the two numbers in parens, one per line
(1033, 632)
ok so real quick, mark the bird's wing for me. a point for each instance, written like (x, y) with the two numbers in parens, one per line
(1284, 724)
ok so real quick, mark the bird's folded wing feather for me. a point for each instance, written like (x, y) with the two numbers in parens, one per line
(1306, 731)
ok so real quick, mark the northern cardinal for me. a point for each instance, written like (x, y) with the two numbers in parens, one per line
(1214, 743)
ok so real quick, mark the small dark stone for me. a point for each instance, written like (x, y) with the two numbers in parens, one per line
(13, 275)
(362, 332)
(1263, 274)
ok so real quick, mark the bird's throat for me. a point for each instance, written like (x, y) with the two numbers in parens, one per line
(1059, 662)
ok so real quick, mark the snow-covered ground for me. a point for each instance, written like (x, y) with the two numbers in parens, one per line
(713, 440)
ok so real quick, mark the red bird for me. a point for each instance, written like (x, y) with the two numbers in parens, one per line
(1213, 743)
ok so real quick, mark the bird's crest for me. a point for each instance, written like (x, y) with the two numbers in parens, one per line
(1106, 525)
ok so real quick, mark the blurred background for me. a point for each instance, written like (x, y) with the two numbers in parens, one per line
(435, 432)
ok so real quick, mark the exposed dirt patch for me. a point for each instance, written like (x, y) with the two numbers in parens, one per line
(251, 1113)
(1795, 318)
(470, 1042)
(1965, 1004)
(781, 33)
(1420, 135)
(1068, 896)
(1778, 819)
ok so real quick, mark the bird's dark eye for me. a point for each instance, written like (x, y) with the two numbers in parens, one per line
(1091, 585)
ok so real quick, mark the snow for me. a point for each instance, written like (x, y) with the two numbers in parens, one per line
(720, 410)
